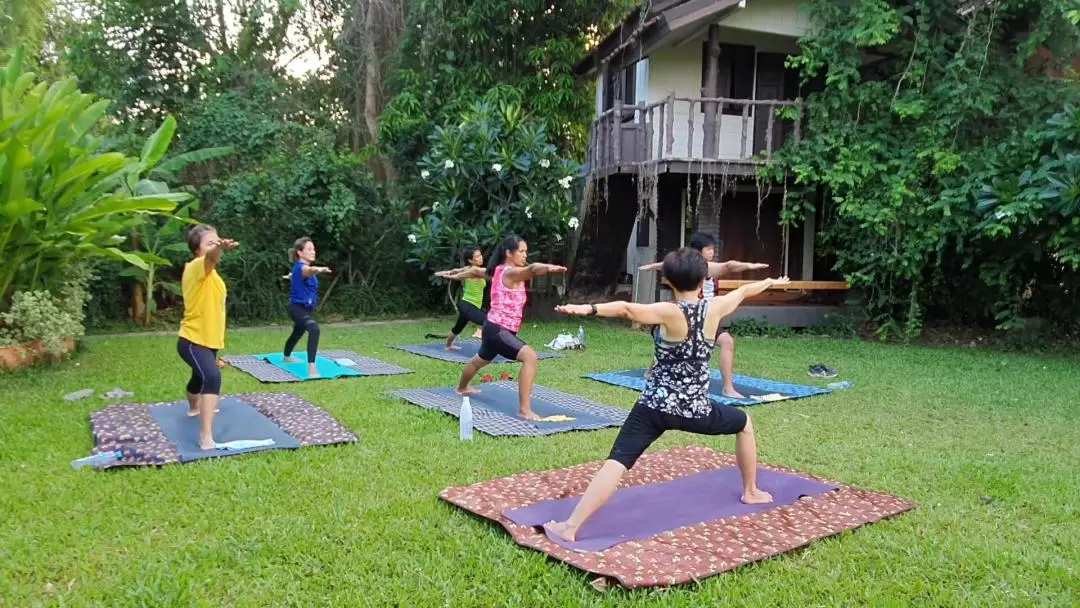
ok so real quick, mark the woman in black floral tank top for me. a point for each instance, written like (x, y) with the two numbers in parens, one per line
(676, 395)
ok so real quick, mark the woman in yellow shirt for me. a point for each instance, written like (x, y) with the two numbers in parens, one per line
(202, 329)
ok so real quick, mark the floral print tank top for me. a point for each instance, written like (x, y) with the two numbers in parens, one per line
(680, 380)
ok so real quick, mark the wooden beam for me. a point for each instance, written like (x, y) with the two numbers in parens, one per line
(710, 90)
(804, 285)
(808, 247)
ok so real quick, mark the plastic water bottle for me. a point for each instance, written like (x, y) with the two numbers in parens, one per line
(97, 460)
(581, 336)
(465, 420)
(839, 385)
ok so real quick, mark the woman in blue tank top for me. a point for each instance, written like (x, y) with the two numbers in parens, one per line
(303, 296)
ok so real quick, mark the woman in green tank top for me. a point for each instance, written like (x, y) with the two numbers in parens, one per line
(470, 306)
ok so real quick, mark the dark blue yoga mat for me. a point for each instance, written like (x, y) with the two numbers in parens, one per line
(505, 401)
(747, 385)
(236, 421)
(642, 512)
(468, 350)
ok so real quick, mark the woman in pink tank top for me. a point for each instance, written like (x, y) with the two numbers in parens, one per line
(509, 272)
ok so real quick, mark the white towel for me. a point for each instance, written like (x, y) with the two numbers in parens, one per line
(244, 444)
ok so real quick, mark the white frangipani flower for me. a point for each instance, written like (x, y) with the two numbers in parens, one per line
(412, 238)
(545, 163)
(425, 174)
(573, 223)
(497, 168)
(449, 164)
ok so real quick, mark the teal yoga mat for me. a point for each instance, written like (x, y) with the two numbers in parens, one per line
(326, 367)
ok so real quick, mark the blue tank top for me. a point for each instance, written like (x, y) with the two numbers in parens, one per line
(304, 292)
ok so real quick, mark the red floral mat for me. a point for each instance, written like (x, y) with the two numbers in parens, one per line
(690, 553)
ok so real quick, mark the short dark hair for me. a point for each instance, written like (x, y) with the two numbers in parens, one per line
(685, 268)
(195, 234)
(701, 240)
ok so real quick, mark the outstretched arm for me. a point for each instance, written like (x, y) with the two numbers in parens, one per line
(313, 270)
(717, 269)
(726, 304)
(460, 274)
(214, 251)
(525, 273)
(653, 266)
(660, 313)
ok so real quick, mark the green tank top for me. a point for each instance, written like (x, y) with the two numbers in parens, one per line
(474, 292)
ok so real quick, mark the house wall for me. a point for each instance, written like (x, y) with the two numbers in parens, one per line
(678, 69)
(783, 17)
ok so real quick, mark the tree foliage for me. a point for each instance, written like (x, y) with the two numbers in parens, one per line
(492, 174)
(63, 198)
(222, 67)
(950, 109)
(454, 52)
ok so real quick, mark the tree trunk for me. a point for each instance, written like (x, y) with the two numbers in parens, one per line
(223, 33)
(374, 27)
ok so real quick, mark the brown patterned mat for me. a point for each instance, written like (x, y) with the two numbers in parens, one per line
(690, 553)
(131, 426)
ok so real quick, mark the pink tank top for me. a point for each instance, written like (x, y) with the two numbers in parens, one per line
(507, 305)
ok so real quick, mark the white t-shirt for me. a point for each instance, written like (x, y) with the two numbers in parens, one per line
(708, 290)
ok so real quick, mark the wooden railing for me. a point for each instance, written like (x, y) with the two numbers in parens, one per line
(700, 129)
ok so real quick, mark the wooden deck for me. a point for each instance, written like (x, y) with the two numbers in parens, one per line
(629, 139)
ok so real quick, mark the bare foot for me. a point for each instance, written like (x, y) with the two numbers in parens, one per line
(452, 347)
(467, 391)
(193, 413)
(562, 529)
(529, 415)
(732, 393)
(756, 497)
(313, 372)
(291, 360)
(207, 445)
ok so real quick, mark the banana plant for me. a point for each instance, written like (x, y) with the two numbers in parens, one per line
(62, 198)
(156, 240)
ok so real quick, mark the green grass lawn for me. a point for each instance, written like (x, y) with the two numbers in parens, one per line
(987, 443)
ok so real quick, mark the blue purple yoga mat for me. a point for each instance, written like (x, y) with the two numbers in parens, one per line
(642, 512)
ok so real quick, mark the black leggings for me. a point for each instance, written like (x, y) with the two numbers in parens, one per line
(205, 375)
(303, 321)
(497, 340)
(467, 312)
(645, 425)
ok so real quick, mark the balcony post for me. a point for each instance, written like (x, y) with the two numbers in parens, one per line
(710, 90)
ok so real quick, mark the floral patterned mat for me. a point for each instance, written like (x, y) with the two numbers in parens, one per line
(686, 554)
(132, 426)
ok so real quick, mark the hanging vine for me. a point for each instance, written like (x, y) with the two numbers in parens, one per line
(902, 146)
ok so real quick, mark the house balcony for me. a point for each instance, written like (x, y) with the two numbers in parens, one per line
(710, 136)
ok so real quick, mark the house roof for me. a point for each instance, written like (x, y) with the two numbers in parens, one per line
(650, 23)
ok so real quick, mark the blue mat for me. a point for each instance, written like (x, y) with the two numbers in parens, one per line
(747, 385)
(469, 349)
(235, 422)
(326, 367)
(495, 409)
